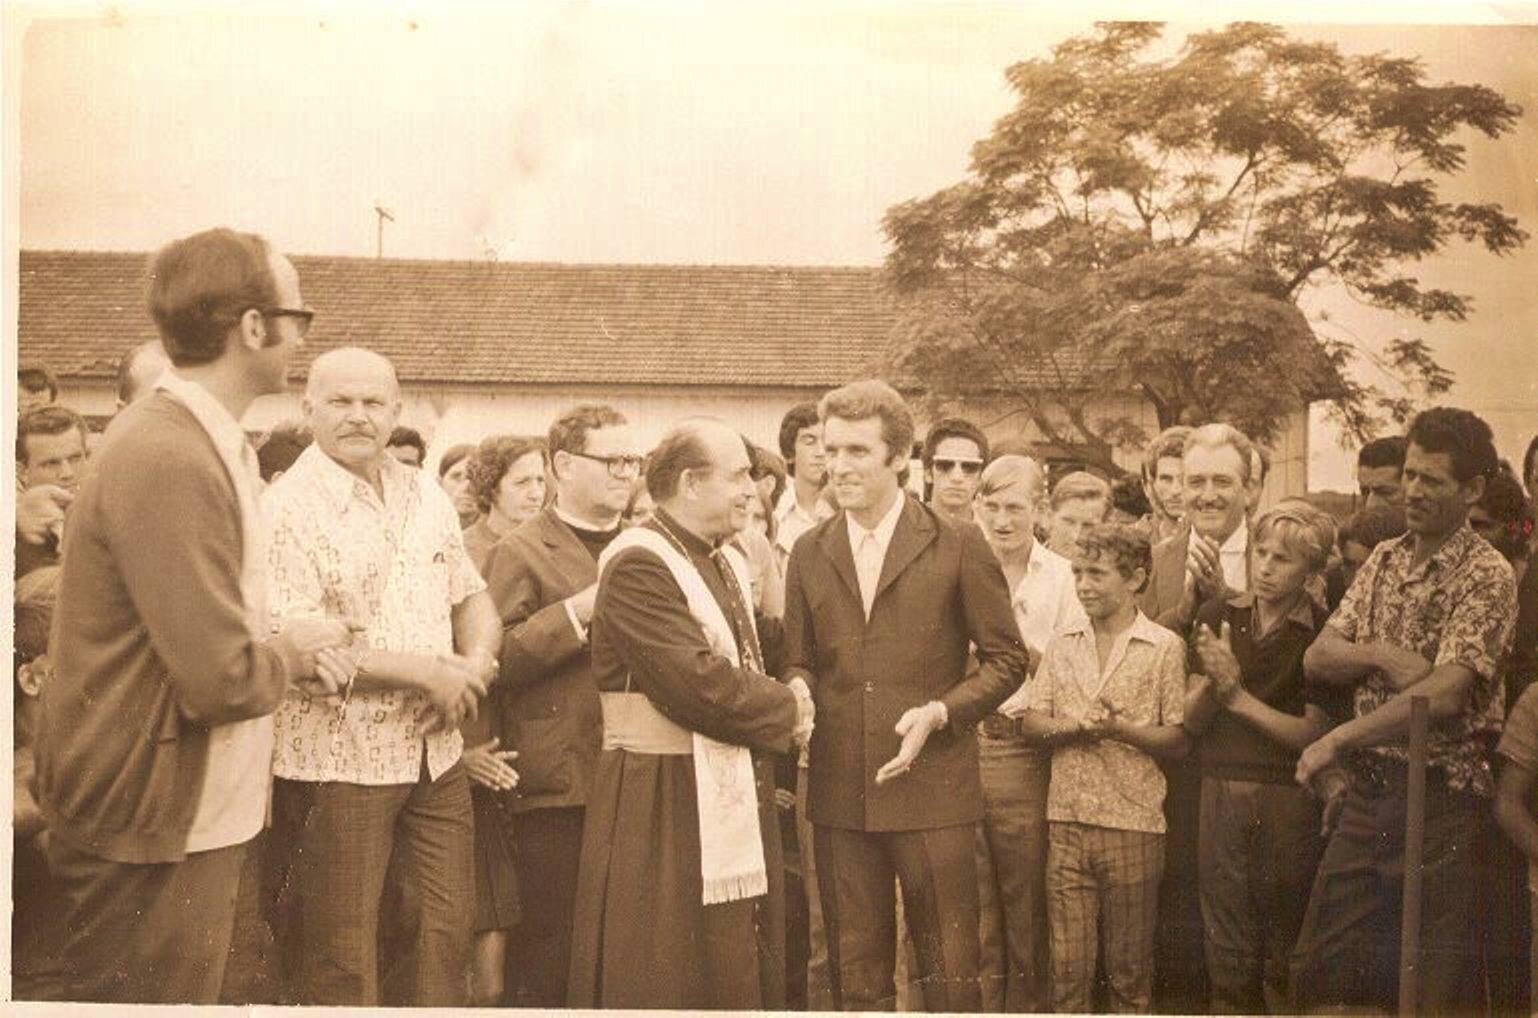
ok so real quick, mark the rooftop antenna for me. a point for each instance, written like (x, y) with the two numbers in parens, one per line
(383, 214)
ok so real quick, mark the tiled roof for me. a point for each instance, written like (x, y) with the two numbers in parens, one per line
(507, 323)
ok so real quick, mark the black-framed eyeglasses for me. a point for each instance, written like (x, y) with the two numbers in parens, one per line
(619, 466)
(969, 467)
(303, 316)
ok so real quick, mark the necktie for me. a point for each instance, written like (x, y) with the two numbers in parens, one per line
(867, 565)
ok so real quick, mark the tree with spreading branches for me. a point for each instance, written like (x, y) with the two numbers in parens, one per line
(1149, 225)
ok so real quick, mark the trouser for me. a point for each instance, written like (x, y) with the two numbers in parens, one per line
(1348, 950)
(251, 973)
(548, 845)
(1180, 963)
(1258, 850)
(342, 837)
(1103, 903)
(1012, 875)
(819, 990)
(146, 933)
(937, 871)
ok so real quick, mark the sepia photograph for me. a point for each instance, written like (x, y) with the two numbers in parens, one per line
(964, 507)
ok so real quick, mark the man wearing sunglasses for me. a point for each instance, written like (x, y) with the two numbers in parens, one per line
(543, 577)
(955, 452)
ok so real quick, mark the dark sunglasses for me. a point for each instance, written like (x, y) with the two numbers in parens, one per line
(969, 467)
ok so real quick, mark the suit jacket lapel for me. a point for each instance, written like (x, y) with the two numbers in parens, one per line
(835, 545)
(568, 553)
(915, 530)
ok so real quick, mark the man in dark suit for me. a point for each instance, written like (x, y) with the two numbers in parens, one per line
(882, 603)
(1206, 560)
(543, 577)
(1220, 480)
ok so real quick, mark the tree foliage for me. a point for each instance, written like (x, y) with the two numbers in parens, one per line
(1149, 225)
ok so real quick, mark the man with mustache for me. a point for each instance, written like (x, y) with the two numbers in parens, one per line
(1430, 614)
(376, 771)
(1207, 561)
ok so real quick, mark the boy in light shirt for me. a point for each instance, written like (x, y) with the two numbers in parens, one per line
(1108, 699)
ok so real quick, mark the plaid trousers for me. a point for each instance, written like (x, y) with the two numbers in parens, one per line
(1102, 901)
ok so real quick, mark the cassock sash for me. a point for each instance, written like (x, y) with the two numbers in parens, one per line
(731, 847)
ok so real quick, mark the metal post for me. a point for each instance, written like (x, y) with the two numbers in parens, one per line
(1414, 845)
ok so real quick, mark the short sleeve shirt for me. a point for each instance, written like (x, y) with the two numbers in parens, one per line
(1519, 744)
(397, 565)
(1457, 607)
(1109, 783)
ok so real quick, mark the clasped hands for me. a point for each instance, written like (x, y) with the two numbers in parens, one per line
(331, 655)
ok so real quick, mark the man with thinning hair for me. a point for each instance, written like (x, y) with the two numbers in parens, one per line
(138, 371)
(680, 902)
(882, 604)
(376, 771)
(155, 738)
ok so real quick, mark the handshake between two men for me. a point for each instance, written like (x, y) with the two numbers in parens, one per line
(332, 660)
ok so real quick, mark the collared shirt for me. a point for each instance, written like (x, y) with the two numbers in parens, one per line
(1271, 670)
(232, 804)
(869, 557)
(1045, 604)
(397, 566)
(1233, 555)
(1457, 607)
(1107, 783)
(791, 521)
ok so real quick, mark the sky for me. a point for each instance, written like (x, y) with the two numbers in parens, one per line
(637, 132)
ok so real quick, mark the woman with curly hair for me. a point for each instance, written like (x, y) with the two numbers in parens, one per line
(506, 476)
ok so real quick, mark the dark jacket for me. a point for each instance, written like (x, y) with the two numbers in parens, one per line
(940, 589)
(551, 717)
(150, 643)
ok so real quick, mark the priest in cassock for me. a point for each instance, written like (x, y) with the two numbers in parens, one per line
(680, 896)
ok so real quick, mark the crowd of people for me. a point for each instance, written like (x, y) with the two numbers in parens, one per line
(570, 722)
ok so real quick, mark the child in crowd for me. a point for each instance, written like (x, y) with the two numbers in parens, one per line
(1108, 700)
(1259, 836)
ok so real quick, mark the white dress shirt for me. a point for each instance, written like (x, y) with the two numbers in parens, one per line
(869, 548)
(1234, 556)
(1045, 604)
(791, 521)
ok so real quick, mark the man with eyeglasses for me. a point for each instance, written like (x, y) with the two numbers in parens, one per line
(543, 577)
(955, 452)
(155, 736)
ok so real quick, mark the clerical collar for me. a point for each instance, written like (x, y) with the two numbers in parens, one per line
(683, 535)
(579, 524)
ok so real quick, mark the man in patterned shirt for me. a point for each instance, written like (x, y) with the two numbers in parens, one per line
(1429, 614)
(376, 770)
